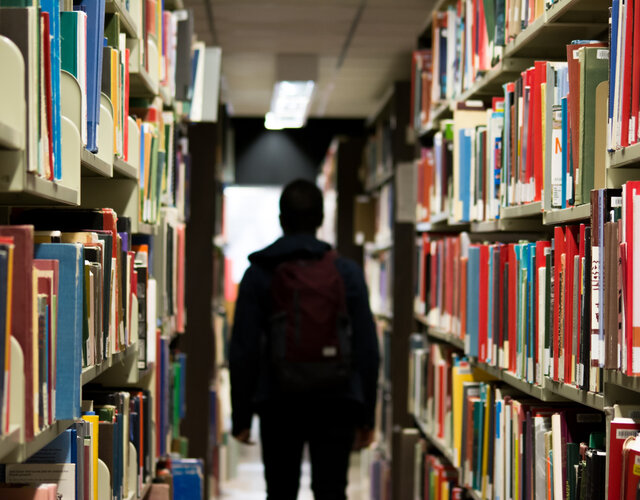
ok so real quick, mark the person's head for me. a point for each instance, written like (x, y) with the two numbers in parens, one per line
(301, 207)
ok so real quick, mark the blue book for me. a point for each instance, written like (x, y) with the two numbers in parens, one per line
(188, 478)
(4, 276)
(615, 6)
(182, 359)
(473, 284)
(95, 39)
(53, 8)
(69, 338)
(565, 151)
(62, 450)
(466, 152)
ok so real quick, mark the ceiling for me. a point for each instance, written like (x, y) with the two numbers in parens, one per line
(252, 32)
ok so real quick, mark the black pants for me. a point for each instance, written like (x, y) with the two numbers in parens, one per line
(329, 429)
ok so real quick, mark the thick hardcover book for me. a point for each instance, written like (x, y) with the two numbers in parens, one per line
(22, 327)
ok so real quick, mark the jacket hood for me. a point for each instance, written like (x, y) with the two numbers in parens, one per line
(291, 246)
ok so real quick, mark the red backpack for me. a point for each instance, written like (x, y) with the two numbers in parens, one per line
(310, 332)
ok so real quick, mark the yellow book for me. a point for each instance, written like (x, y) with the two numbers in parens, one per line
(94, 421)
(459, 375)
(461, 372)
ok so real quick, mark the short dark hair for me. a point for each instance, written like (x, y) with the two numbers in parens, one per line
(301, 208)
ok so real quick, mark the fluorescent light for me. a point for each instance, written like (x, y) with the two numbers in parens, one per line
(289, 104)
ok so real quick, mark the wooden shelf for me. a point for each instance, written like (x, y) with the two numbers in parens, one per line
(122, 169)
(40, 192)
(625, 157)
(126, 21)
(518, 211)
(566, 215)
(94, 166)
(141, 85)
(10, 137)
(91, 372)
(576, 394)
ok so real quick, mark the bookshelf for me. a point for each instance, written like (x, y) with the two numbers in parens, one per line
(484, 211)
(131, 327)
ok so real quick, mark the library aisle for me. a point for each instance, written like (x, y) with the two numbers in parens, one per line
(249, 483)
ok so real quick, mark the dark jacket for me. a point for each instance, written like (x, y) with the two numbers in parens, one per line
(250, 381)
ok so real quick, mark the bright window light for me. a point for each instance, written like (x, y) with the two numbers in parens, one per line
(289, 105)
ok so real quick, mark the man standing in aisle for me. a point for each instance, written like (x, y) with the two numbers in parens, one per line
(304, 354)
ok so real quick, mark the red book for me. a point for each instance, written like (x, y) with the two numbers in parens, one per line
(571, 250)
(22, 312)
(620, 430)
(626, 76)
(635, 78)
(484, 57)
(434, 276)
(629, 189)
(559, 250)
(46, 56)
(538, 153)
(464, 261)
(631, 459)
(483, 303)
(504, 255)
(512, 304)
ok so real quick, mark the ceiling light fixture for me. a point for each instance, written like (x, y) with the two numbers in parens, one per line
(292, 92)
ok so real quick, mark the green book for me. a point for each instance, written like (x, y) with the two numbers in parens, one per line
(19, 3)
(69, 42)
(594, 65)
(573, 458)
(112, 30)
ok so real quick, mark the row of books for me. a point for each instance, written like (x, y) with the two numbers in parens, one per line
(94, 293)
(468, 38)
(51, 39)
(122, 429)
(504, 445)
(543, 140)
(624, 105)
(561, 308)
(434, 476)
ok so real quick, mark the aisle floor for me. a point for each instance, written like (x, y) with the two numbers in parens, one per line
(249, 482)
